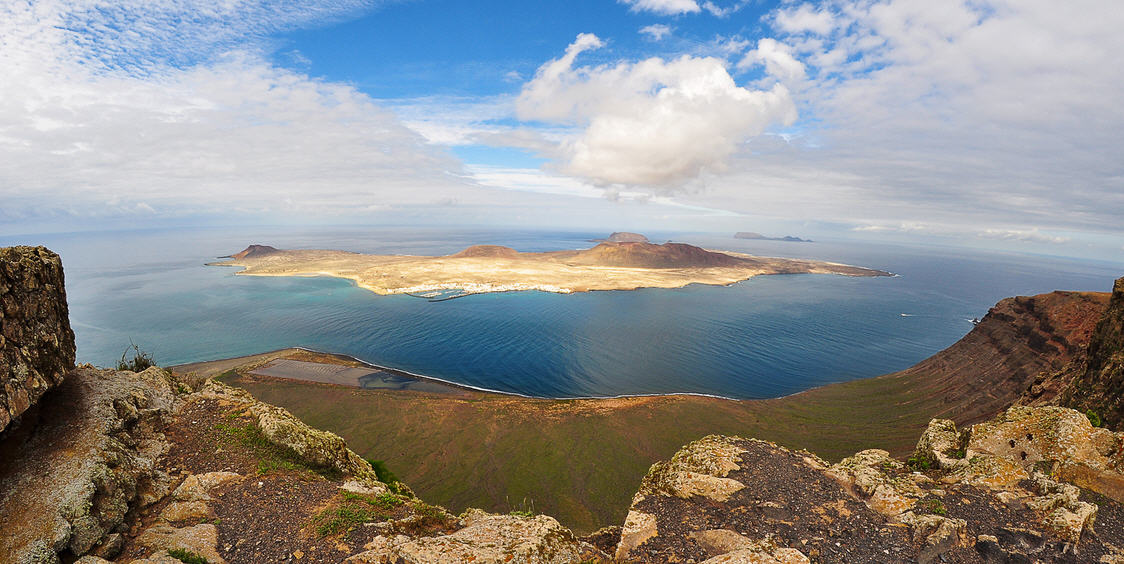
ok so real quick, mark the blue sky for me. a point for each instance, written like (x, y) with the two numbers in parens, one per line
(984, 123)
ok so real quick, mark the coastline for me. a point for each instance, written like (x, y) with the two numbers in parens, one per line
(486, 269)
(214, 368)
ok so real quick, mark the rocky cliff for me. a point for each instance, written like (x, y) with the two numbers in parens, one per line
(1097, 383)
(1017, 345)
(36, 343)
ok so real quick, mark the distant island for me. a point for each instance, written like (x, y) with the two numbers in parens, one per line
(623, 237)
(760, 237)
(492, 268)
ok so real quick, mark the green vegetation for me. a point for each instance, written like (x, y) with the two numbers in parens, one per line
(1094, 418)
(426, 516)
(186, 556)
(919, 462)
(935, 506)
(580, 460)
(353, 510)
(387, 477)
(271, 457)
(344, 517)
(140, 361)
(526, 508)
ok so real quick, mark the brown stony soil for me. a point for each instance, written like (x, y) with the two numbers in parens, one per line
(269, 516)
(805, 509)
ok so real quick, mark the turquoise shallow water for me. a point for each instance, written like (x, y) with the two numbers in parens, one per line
(767, 337)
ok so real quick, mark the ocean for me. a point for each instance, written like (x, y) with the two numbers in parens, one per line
(767, 337)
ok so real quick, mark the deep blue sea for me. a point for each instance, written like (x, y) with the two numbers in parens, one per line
(766, 337)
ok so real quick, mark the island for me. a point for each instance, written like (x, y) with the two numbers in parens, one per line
(493, 268)
(759, 237)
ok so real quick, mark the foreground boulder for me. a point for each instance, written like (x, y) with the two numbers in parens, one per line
(36, 343)
(484, 539)
(1035, 484)
(66, 487)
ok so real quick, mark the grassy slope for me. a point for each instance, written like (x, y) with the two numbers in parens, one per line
(577, 460)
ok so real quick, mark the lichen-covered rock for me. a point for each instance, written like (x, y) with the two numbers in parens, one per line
(1062, 508)
(878, 480)
(935, 534)
(36, 342)
(91, 459)
(485, 539)
(700, 468)
(937, 445)
(1060, 438)
(319, 448)
(790, 509)
(638, 528)
(189, 500)
(996, 472)
(201, 539)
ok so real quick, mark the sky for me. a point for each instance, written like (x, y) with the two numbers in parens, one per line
(981, 123)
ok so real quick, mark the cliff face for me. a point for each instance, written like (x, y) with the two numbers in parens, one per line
(36, 343)
(1098, 383)
(1017, 344)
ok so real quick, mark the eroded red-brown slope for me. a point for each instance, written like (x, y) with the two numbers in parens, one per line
(998, 361)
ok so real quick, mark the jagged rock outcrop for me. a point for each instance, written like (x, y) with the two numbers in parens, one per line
(1097, 385)
(483, 539)
(320, 448)
(1035, 484)
(67, 486)
(36, 343)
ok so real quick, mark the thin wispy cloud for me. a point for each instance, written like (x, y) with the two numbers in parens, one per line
(664, 7)
(656, 32)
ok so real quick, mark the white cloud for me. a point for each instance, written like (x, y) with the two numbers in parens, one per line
(90, 128)
(656, 31)
(664, 7)
(952, 115)
(654, 122)
(804, 18)
(777, 58)
(720, 11)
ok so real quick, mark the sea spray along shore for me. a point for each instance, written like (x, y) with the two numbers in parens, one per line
(492, 268)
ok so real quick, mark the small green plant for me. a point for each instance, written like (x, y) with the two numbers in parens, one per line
(271, 457)
(918, 462)
(335, 520)
(524, 509)
(186, 556)
(429, 515)
(385, 500)
(140, 361)
(1094, 418)
(353, 510)
(935, 506)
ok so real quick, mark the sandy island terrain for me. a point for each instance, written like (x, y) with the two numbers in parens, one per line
(490, 268)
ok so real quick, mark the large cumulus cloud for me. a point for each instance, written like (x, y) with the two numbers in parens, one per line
(654, 122)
